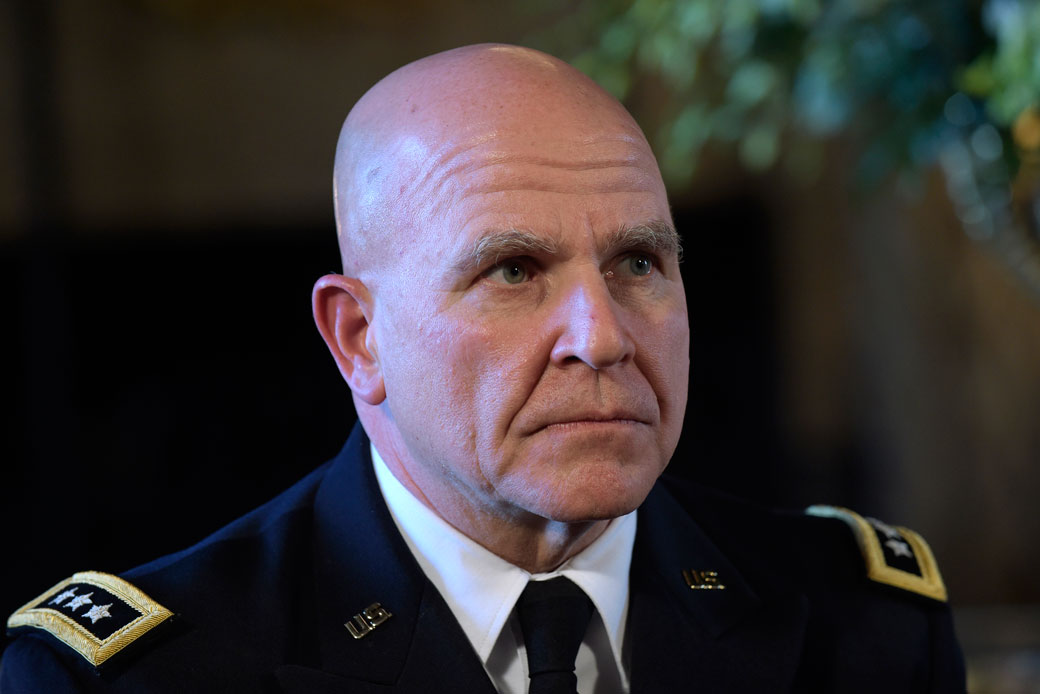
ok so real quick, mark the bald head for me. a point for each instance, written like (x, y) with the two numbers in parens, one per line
(409, 136)
(511, 319)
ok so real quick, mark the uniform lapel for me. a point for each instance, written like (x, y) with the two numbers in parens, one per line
(361, 559)
(730, 639)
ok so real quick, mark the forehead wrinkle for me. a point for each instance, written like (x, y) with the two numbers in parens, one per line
(619, 178)
(450, 167)
(584, 162)
(493, 247)
(532, 186)
(438, 163)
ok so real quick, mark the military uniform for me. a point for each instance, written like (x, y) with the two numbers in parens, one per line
(316, 591)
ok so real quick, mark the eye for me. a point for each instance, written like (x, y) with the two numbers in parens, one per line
(512, 271)
(639, 264)
(632, 265)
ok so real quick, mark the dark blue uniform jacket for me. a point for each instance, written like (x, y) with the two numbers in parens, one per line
(261, 606)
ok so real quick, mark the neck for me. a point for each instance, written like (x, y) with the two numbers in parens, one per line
(537, 546)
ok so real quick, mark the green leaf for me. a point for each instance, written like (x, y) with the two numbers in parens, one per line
(751, 83)
(760, 147)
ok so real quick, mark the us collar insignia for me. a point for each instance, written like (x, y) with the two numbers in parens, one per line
(96, 614)
(702, 580)
(367, 620)
(894, 555)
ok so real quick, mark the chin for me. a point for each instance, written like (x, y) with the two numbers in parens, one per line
(597, 492)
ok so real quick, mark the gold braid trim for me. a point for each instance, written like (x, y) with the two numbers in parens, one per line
(929, 583)
(96, 651)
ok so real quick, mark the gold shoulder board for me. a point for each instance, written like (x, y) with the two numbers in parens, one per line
(96, 614)
(894, 555)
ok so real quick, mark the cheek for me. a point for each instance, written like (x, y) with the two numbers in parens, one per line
(666, 350)
(497, 363)
(448, 375)
(499, 366)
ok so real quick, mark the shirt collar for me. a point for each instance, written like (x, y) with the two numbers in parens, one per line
(481, 588)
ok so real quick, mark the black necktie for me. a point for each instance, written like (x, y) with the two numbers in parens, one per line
(553, 616)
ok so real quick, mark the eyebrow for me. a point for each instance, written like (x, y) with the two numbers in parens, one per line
(494, 247)
(655, 236)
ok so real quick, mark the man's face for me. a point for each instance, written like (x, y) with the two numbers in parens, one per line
(533, 335)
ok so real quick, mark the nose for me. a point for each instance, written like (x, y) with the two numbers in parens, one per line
(591, 326)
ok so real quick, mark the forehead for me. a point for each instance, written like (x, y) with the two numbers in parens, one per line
(550, 185)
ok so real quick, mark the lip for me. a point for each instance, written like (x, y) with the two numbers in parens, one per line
(576, 424)
(589, 420)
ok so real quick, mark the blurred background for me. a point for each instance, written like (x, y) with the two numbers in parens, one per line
(856, 182)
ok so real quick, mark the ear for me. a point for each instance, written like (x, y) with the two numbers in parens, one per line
(343, 313)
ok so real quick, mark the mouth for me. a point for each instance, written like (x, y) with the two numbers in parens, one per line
(592, 422)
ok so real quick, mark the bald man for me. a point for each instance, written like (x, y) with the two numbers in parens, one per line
(512, 325)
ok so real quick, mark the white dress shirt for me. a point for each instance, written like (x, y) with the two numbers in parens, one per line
(481, 589)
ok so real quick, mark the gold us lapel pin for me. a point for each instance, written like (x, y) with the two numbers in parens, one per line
(367, 620)
(702, 580)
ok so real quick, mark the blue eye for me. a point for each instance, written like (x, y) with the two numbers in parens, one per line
(511, 272)
(640, 264)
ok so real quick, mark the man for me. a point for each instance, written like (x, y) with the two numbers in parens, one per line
(512, 325)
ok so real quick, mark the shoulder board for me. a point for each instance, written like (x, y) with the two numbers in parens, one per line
(895, 556)
(96, 614)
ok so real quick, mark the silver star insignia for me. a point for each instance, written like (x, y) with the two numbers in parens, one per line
(900, 549)
(97, 612)
(58, 599)
(79, 601)
(889, 532)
